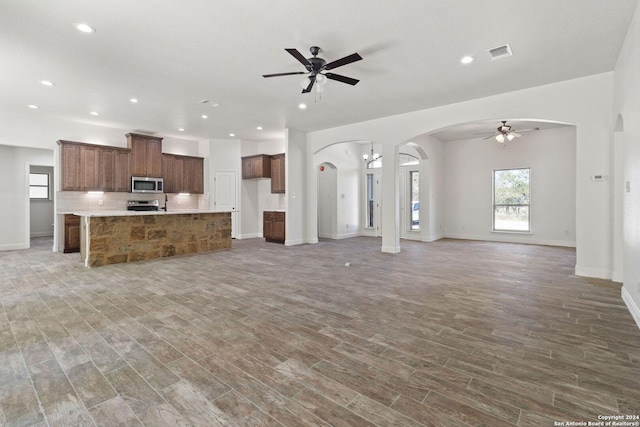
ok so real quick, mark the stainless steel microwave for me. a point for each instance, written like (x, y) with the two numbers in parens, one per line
(143, 184)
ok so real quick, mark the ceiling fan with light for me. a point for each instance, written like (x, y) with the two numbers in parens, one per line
(317, 67)
(504, 133)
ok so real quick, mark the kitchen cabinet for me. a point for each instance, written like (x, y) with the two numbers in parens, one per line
(146, 155)
(183, 174)
(70, 166)
(87, 167)
(193, 175)
(277, 173)
(71, 234)
(258, 166)
(113, 169)
(273, 226)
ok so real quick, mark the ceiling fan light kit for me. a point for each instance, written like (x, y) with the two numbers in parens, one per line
(316, 69)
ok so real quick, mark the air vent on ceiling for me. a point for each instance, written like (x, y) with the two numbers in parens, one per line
(501, 51)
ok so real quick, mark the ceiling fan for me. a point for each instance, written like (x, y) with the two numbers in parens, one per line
(505, 133)
(317, 67)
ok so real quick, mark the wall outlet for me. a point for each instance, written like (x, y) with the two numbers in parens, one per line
(638, 286)
(100, 202)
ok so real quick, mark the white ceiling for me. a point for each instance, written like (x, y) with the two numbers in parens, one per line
(171, 54)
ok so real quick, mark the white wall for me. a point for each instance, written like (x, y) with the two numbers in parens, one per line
(469, 165)
(14, 193)
(347, 158)
(327, 200)
(298, 163)
(585, 102)
(41, 211)
(627, 104)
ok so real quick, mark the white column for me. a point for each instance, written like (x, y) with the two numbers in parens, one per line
(390, 200)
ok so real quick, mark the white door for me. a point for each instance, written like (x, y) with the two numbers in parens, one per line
(225, 196)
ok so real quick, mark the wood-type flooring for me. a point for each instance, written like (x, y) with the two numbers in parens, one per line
(450, 333)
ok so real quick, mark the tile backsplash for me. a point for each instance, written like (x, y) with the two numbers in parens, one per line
(81, 201)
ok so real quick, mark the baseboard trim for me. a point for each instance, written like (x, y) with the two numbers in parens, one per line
(338, 236)
(293, 242)
(596, 273)
(434, 238)
(14, 246)
(249, 236)
(617, 277)
(391, 249)
(511, 238)
(631, 305)
(42, 234)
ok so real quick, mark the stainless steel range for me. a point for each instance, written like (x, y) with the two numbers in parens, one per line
(142, 205)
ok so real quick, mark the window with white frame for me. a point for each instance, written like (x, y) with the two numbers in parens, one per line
(369, 201)
(414, 182)
(512, 200)
(39, 186)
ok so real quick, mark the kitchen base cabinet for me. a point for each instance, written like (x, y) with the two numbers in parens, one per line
(273, 226)
(71, 233)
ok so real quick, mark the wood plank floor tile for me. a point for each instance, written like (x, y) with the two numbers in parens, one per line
(443, 333)
(133, 389)
(115, 412)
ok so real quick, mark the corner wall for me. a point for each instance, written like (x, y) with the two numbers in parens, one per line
(627, 105)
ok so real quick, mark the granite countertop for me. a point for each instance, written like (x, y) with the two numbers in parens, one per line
(138, 213)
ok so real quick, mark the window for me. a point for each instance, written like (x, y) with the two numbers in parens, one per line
(39, 186)
(511, 200)
(369, 220)
(414, 178)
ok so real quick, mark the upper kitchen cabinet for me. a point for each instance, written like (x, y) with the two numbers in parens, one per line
(113, 169)
(183, 174)
(258, 166)
(87, 167)
(193, 176)
(277, 173)
(70, 166)
(146, 155)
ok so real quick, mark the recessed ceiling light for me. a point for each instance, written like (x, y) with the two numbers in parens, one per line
(259, 128)
(85, 28)
(181, 129)
(47, 83)
(232, 134)
(467, 59)
(134, 100)
(302, 106)
(204, 116)
(215, 104)
(34, 107)
(94, 113)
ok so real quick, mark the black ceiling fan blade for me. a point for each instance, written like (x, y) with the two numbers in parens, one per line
(342, 61)
(343, 79)
(299, 57)
(284, 74)
(308, 88)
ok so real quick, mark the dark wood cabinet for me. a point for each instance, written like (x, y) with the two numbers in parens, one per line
(70, 166)
(183, 174)
(258, 166)
(277, 173)
(193, 175)
(87, 167)
(113, 169)
(71, 234)
(122, 175)
(146, 155)
(273, 226)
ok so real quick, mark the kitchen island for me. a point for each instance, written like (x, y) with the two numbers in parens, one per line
(114, 237)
